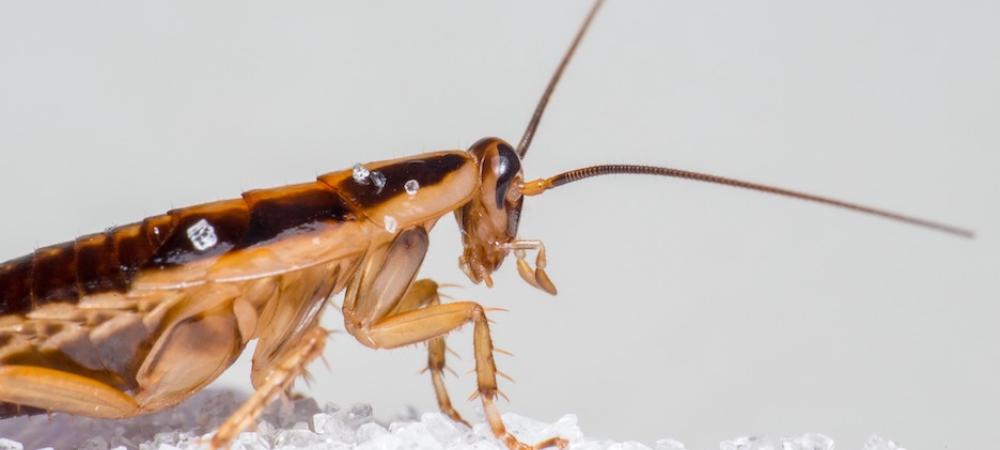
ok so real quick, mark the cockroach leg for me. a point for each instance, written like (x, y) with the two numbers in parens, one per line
(419, 294)
(434, 321)
(486, 374)
(278, 382)
(536, 277)
(525, 270)
(50, 389)
(423, 293)
(436, 349)
(499, 430)
(464, 265)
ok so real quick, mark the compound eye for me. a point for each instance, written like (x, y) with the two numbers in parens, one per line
(507, 169)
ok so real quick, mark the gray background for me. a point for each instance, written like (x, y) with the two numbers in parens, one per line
(689, 311)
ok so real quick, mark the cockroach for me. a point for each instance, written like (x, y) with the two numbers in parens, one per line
(138, 318)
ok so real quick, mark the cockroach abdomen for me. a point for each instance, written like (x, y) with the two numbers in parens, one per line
(15, 285)
(54, 274)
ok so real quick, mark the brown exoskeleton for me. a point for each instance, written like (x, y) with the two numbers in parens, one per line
(137, 318)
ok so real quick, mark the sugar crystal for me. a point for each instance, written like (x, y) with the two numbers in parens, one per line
(412, 186)
(202, 235)
(378, 179)
(306, 424)
(390, 223)
(360, 174)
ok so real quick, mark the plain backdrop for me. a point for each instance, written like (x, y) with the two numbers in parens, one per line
(685, 310)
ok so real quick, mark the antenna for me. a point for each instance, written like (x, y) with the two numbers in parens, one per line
(536, 118)
(538, 186)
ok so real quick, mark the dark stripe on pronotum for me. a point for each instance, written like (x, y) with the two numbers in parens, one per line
(428, 171)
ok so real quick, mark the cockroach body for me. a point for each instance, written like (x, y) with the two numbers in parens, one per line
(159, 308)
(138, 318)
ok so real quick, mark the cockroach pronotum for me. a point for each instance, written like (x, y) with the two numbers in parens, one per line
(139, 317)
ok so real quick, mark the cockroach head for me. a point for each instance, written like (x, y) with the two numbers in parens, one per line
(489, 220)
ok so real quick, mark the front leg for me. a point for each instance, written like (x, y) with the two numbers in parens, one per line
(384, 286)
(380, 315)
(435, 321)
(536, 277)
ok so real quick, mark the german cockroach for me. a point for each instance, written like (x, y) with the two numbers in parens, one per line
(139, 317)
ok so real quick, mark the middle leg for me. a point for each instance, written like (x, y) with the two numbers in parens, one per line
(423, 293)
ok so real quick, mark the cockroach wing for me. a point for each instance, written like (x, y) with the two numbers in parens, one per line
(280, 230)
(324, 244)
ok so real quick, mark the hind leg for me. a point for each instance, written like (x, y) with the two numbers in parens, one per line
(277, 382)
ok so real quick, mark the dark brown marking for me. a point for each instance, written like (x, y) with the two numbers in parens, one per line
(159, 228)
(54, 275)
(224, 225)
(280, 212)
(132, 248)
(109, 261)
(15, 285)
(427, 171)
(97, 265)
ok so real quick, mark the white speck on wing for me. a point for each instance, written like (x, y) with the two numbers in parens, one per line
(202, 235)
